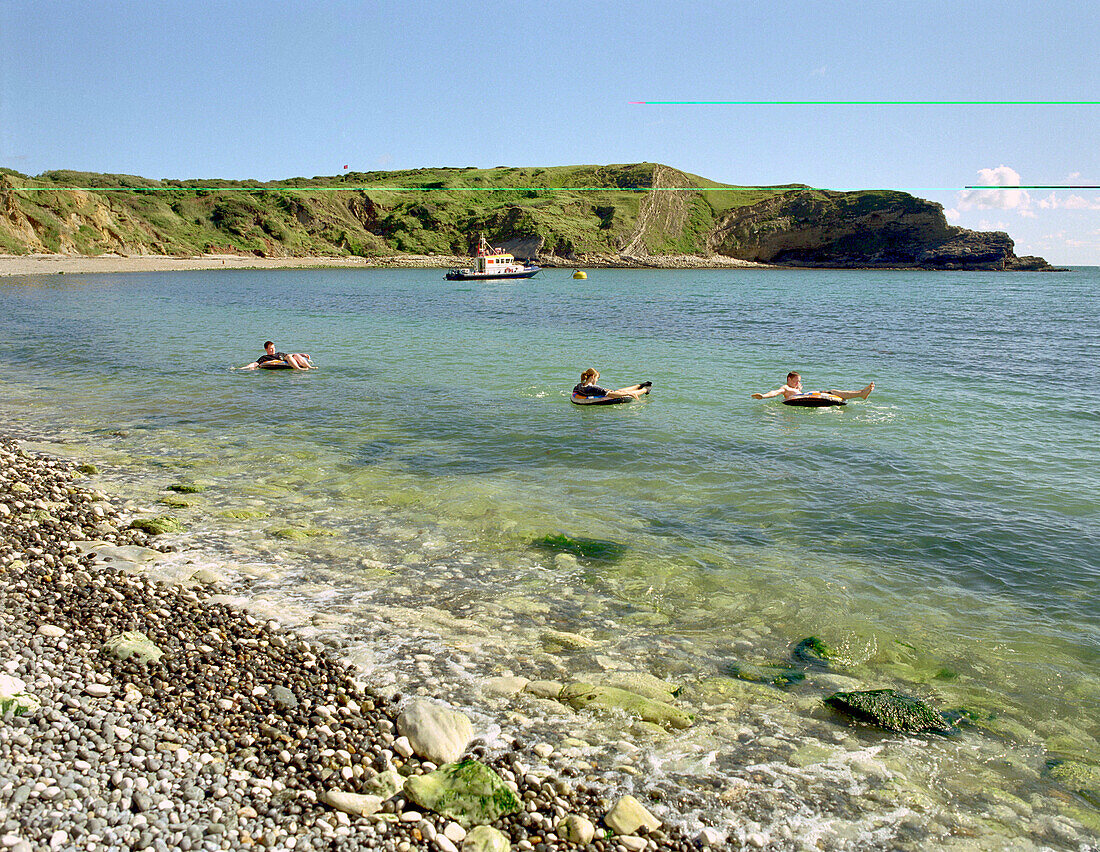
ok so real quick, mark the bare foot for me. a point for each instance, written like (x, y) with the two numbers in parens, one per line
(866, 392)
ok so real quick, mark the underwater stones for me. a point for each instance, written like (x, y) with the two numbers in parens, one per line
(506, 685)
(775, 675)
(187, 487)
(88, 469)
(435, 732)
(1080, 777)
(133, 644)
(485, 838)
(468, 792)
(159, 525)
(174, 501)
(811, 651)
(574, 828)
(544, 688)
(642, 683)
(15, 698)
(628, 815)
(298, 533)
(588, 696)
(889, 709)
(351, 803)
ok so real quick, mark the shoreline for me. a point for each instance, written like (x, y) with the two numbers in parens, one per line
(244, 733)
(61, 264)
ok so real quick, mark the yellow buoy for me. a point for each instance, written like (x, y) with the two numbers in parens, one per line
(579, 275)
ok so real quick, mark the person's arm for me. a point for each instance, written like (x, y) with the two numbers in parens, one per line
(254, 365)
(770, 394)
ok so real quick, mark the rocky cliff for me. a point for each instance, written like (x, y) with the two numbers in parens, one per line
(625, 215)
(865, 229)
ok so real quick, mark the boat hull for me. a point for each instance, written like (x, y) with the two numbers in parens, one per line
(462, 275)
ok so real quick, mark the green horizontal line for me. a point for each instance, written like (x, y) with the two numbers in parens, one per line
(865, 103)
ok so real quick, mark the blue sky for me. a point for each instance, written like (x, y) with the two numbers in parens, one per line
(273, 90)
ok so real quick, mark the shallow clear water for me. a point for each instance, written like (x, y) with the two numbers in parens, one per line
(944, 534)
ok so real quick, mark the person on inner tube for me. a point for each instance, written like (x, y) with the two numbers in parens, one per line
(588, 387)
(793, 388)
(297, 360)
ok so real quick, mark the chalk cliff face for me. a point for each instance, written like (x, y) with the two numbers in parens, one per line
(864, 229)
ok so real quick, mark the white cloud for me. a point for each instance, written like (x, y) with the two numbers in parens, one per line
(1072, 176)
(952, 214)
(987, 225)
(819, 72)
(995, 199)
(1068, 202)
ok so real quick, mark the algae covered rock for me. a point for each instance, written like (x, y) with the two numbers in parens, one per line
(592, 549)
(1080, 777)
(135, 644)
(88, 469)
(812, 651)
(187, 487)
(244, 514)
(891, 710)
(174, 501)
(774, 675)
(298, 533)
(469, 792)
(15, 698)
(588, 696)
(157, 526)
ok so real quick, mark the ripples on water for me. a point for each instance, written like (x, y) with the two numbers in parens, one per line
(955, 512)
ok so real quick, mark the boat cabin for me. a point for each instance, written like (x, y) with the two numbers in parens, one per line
(490, 260)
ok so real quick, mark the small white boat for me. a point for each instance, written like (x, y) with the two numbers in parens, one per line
(492, 263)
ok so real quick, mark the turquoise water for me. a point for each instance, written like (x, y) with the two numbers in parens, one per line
(944, 534)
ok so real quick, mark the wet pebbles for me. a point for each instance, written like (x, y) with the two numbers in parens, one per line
(225, 742)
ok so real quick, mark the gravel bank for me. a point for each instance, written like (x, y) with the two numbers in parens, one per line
(233, 738)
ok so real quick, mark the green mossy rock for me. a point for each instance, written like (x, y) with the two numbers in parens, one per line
(891, 710)
(157, 526)
(133, 644)
(15, 698)
(485, 838)
(775, 675)
(1079, 777)
(468, 792)
(588, 696)
(174, 502)
(88, 469)
(187, 488)
(592, 549)
(298, 533)
(245, 514)
(811, 651)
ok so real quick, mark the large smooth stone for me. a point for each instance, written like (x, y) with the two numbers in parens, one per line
(133, 643)
(436, 733)
(159, 525)
(469, 792)
(891, 710)
(485, 838)
(628, 815)
(352, 803)
(574, 828)
(587, 696)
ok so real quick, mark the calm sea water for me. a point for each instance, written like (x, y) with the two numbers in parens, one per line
(944, 534)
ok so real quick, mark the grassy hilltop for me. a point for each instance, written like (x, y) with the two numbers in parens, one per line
(569, 212)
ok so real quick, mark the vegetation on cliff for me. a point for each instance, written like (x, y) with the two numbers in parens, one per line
(570, 212)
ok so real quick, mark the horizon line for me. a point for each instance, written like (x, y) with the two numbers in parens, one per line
(865, 103)
(372, 188)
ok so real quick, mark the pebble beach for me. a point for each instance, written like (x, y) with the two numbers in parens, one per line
(141, 715)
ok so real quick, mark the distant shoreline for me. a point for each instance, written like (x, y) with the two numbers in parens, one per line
(63, 264)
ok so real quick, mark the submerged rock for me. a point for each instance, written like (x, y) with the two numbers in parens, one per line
(568, 641)
(775, 675)
(187, 487)
(173, 501)
(468, 792)
(244, 514)
(891, 710)
(159, 525)
(298, 533)
(588, 696)
(594, 549)
(811, 651)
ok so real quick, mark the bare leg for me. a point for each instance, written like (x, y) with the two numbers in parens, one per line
(861, 394)
(298, 361)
